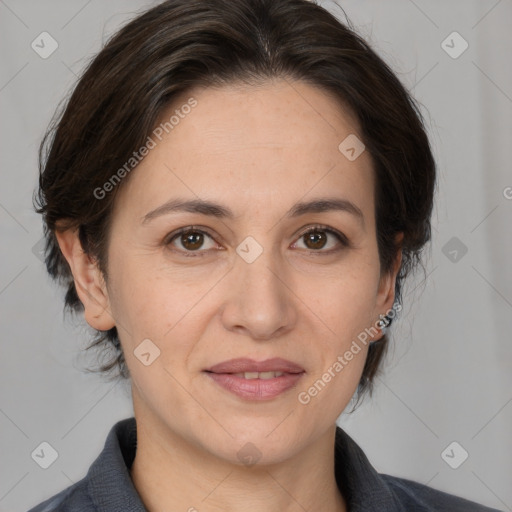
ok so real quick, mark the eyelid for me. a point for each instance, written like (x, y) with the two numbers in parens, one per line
(185, 229)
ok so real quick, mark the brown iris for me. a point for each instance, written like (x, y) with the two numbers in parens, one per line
(317, 239)
(192, 240)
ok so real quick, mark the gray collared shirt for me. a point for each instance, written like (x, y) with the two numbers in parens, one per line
(108, 487)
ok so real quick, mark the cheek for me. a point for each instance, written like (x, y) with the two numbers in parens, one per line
(344, 300)
(157, 302)
(150, 299)
(343, 307)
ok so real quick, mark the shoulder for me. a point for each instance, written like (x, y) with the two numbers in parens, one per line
(74, 498)
(369, 490)
(107, 484)
(414, 494)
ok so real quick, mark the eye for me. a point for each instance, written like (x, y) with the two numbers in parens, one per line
(317, 238)
(190, 240)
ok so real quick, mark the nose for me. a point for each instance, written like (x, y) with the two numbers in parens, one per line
(261, 303)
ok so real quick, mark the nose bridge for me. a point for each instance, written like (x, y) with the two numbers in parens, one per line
(260, 302)
(263, 276)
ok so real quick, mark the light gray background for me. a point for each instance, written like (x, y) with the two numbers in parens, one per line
(448, 377)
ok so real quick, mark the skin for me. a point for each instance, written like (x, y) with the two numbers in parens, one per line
(257, 150)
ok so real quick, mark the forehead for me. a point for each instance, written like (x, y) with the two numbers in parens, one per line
(277, 141)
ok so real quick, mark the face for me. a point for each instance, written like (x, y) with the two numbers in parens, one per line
(256, 278)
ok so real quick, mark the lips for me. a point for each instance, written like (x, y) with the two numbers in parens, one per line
(256, 380)
(246, 365)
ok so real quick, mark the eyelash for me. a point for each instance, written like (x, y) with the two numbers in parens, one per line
(342, 239)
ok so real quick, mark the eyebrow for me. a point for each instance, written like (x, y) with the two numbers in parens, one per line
(213, 209)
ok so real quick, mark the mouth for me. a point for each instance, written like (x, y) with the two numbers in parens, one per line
(253, 380)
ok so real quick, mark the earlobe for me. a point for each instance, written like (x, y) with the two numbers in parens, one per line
(89, 282)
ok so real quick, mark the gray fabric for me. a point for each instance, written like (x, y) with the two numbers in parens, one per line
(107, 487)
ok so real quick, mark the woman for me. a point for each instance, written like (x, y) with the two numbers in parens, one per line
(233, 195)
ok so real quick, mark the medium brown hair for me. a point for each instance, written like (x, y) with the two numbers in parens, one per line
(183, 43)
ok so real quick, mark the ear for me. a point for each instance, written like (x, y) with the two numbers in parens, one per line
(386, 291)
(89, 282)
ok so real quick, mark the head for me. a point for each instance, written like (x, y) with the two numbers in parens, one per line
(231, 103)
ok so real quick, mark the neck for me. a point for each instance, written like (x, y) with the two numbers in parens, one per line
(169, 472)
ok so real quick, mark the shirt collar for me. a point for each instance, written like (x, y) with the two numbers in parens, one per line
(109, 483)
(111, 488)
(363, 487)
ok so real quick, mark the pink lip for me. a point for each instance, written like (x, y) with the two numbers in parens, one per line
(244, 364)
(256, 389)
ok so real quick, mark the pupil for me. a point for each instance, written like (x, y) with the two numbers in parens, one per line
(317, 238)
(192, 240)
